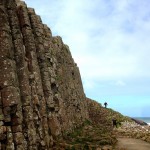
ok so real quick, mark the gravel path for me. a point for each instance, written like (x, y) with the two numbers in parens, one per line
(132, 144)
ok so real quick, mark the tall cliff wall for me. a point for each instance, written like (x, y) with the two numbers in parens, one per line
(41, 93)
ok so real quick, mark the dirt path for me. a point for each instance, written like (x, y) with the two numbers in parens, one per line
(132, 144)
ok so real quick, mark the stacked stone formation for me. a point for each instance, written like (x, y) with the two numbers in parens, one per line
(134, 130)
(41, 92)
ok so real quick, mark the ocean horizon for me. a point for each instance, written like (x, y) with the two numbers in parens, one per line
(145, 119)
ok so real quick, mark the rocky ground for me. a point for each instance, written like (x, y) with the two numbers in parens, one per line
(131, 144)
(87, 137)
(133, 130)
(42, 100)
(131, 135)
(97, 137)
(96, 133)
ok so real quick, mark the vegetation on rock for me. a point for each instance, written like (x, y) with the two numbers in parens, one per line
(42, 100)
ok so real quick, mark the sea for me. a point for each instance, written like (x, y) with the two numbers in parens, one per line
(145, 119)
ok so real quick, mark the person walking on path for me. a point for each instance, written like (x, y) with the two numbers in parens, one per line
(105, 104)
(114, 123)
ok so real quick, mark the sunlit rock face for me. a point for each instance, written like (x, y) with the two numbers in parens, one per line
(41, 92)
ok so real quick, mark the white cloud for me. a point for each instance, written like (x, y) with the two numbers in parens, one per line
(120, 83)
(108, 39)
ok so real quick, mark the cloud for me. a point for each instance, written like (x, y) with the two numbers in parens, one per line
(120, 83)
(111, 37)
(109, 40)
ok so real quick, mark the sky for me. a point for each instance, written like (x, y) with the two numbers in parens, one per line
(110, 42)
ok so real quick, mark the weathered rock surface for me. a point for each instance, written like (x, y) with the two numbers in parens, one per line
(131, 144)
(133, 130)
(42, 101)
(104, 116)
(41, 93)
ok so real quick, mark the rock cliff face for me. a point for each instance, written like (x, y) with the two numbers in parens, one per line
(41, 93)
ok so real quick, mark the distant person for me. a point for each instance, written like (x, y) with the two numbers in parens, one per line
(105, 104)
(114, 121)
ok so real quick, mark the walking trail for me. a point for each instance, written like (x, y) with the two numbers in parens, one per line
(132, 144)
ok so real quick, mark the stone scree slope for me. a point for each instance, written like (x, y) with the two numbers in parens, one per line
(41, 92)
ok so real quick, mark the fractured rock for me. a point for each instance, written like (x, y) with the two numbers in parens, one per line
(41, 92)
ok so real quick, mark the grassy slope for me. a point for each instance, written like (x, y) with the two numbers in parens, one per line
(95, 132)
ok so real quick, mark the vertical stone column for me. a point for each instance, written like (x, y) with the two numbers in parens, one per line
(38, 101)
(37, 27)
(11, 111)
(70, 87)
(41, 93)
(27, 127)
(47, 70)
(47, 102)
(50, 56)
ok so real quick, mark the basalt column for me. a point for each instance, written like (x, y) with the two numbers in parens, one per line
(11, 118)
(70, 86)
(47, 70)
(41, 92)
(43, 133)
(23, 104)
